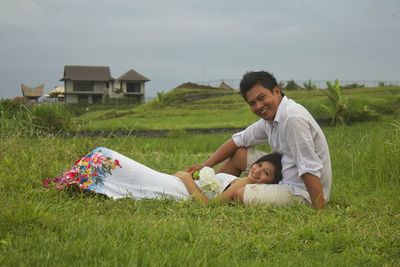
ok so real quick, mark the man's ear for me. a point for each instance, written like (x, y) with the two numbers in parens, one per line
(276, 90)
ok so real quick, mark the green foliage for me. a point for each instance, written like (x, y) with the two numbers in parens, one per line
(359, 111)
(352, 86)
(51, 117)
(337, 103)
(309, 85)
(198, 108)
(159, 101)
(292, 85)
(16, 117)
(10, 109)
(118, 91)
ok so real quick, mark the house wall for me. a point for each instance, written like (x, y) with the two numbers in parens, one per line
(71, 96)
(68, 86)
(71, 99)
(111, 91)
(100, 87)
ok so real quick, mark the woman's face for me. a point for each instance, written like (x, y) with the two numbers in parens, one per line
(262, 173)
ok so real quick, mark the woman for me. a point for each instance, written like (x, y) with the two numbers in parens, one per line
(107, 172)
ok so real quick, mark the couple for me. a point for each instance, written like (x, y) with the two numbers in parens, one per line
(289, 129)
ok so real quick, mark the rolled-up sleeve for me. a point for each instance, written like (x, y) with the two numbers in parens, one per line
(301, 146)
(256, 133)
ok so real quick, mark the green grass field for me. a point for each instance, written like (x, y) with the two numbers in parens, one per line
(226, 111)
(359, 227)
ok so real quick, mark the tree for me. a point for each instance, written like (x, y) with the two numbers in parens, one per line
(292, 85)
(309, 85)
(338, 107)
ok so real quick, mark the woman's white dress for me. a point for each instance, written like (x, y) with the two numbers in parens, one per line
(110, 173)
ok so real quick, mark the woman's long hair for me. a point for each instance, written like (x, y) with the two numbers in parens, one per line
(274, 158)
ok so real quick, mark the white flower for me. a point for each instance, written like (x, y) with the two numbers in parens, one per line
(207, 174)
(209, 182)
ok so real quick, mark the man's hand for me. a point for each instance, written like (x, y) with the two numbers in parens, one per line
(195, 167)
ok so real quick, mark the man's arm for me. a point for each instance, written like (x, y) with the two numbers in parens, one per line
(314, 188)
(309, 165)
(223, 152)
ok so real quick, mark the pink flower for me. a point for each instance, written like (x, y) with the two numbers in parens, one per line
(116, 162)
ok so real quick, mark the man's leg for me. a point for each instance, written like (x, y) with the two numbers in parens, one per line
(236, 164)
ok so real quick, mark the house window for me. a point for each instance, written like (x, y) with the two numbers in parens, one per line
(83, 86)
(133, 87)
(83, 99)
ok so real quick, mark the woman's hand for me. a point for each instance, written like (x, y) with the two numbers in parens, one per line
(192, 187)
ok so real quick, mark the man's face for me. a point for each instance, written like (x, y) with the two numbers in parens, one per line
(263, 102)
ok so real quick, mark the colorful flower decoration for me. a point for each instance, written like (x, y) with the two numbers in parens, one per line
(88, 171)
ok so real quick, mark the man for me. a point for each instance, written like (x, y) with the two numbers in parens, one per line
(290, 130)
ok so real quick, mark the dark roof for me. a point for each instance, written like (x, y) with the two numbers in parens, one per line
(190, 85)
(87, 73)
(32, 91)
(132, 75)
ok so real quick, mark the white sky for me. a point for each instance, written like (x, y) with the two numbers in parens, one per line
(175, 41)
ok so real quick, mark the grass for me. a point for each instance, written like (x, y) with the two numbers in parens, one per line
(49, 228)
(227, 110)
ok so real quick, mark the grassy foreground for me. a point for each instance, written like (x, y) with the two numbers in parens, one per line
(48, 228)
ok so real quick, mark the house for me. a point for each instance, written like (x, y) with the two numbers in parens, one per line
(32, 93)
(94, 84)
(86, 84)
(131, 85)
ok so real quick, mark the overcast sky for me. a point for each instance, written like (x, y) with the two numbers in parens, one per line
(175, 41)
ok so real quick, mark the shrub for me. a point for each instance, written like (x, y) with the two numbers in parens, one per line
(338, 103)
(9, 109)
(352, 86)
(358, 114)
(292, 85)
(51, 117)
(309, 85)
(159, 101)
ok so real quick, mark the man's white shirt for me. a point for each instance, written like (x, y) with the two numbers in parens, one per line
(297, 136)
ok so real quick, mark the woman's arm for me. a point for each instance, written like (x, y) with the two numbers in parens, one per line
(192, 187)
(198, 194)
(230, 193)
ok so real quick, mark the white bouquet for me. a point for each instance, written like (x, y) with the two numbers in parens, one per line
(209, 182)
